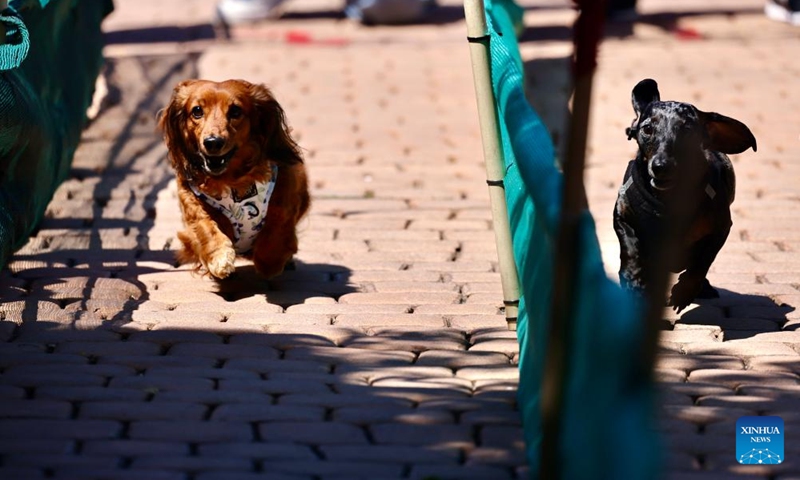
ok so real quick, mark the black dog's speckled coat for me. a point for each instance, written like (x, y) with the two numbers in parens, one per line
(681, 158)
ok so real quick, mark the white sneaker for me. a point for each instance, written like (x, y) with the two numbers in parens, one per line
(783, 11)
(240, 11)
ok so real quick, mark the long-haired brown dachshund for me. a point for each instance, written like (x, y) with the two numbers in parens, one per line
(242, 185)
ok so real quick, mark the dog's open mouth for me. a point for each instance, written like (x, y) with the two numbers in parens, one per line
(662, 183)
(217, 164)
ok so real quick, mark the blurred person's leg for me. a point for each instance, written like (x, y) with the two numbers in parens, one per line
(238, 11)
(783, 10)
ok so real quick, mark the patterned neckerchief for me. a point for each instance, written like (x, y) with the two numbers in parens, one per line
(245, 211)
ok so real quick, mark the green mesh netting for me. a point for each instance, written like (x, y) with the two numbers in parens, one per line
(49, 60)
(608, 427)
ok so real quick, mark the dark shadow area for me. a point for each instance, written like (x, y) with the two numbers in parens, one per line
(171, 33)
(739, 315)
(668, 22)
(548, 88)
(299, 282)
(439, 15)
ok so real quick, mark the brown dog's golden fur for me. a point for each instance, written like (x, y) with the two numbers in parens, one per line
(250, 133)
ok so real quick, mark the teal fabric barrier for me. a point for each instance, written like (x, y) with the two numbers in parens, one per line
(49, 60)
(608, 430)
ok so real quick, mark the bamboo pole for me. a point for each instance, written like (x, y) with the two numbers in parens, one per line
(478, 36)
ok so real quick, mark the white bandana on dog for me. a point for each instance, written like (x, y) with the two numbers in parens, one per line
(246, 212)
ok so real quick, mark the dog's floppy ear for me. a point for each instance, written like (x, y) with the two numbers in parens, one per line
(725, 134)
(643, 94)
(270, 123)
(171, 123)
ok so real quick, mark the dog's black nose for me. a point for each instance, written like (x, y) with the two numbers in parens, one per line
(659, 169)
(213, 143)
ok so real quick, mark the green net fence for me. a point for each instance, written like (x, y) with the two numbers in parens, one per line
(607, 418)
(49, 60)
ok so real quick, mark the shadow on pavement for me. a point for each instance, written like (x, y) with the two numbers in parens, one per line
(739, 315)
(161, 34)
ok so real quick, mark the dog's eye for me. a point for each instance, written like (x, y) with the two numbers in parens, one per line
(235, 111)
(197, 112)
(647, 129)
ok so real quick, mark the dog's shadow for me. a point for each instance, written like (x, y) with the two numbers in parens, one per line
(296, 285)
(739, 315)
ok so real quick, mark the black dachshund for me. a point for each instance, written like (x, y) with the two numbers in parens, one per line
(679, 187)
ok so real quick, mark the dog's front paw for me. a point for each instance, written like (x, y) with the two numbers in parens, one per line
(221, 263)
(684, 292)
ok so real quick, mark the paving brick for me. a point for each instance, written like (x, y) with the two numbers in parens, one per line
(457, 309)
(472, 323)
(35, 408)
(492, 372)
(365, 320)
(341, 400)
(789, 363)
(459, 359)
(663, 375)
(228, 374)
(71, 369)
(733, 378)
(744, 348)
(190, 431)
(267, 319)
(699, 362)
(335, 356)
(266, 366)
(490, 417)
(90, 393)
(210, 397)
(261, 412)
(86, 473)
(405, 276)
(698, 389)
(44, 332)
(334, 309)
(59, 429)
(392, 414)
(99, 349)
(420, 472)
(52, 461)
(706, 414)
(191, 464)
(20, 473)
(134, 448)
(414, 298)
(155, 383)
(131, 411)
(418, 435)
(691, 335)
(51, 379)
(144, 362)
(391, 454)
(35, 445)
(222, 351)
(315, 433)
(506, 346)
(495, 456)
(249, 476)
(265, 451)
(38, 358)
(320, 469)
(171, 337)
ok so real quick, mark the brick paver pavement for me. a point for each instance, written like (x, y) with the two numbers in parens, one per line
(384, 354)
